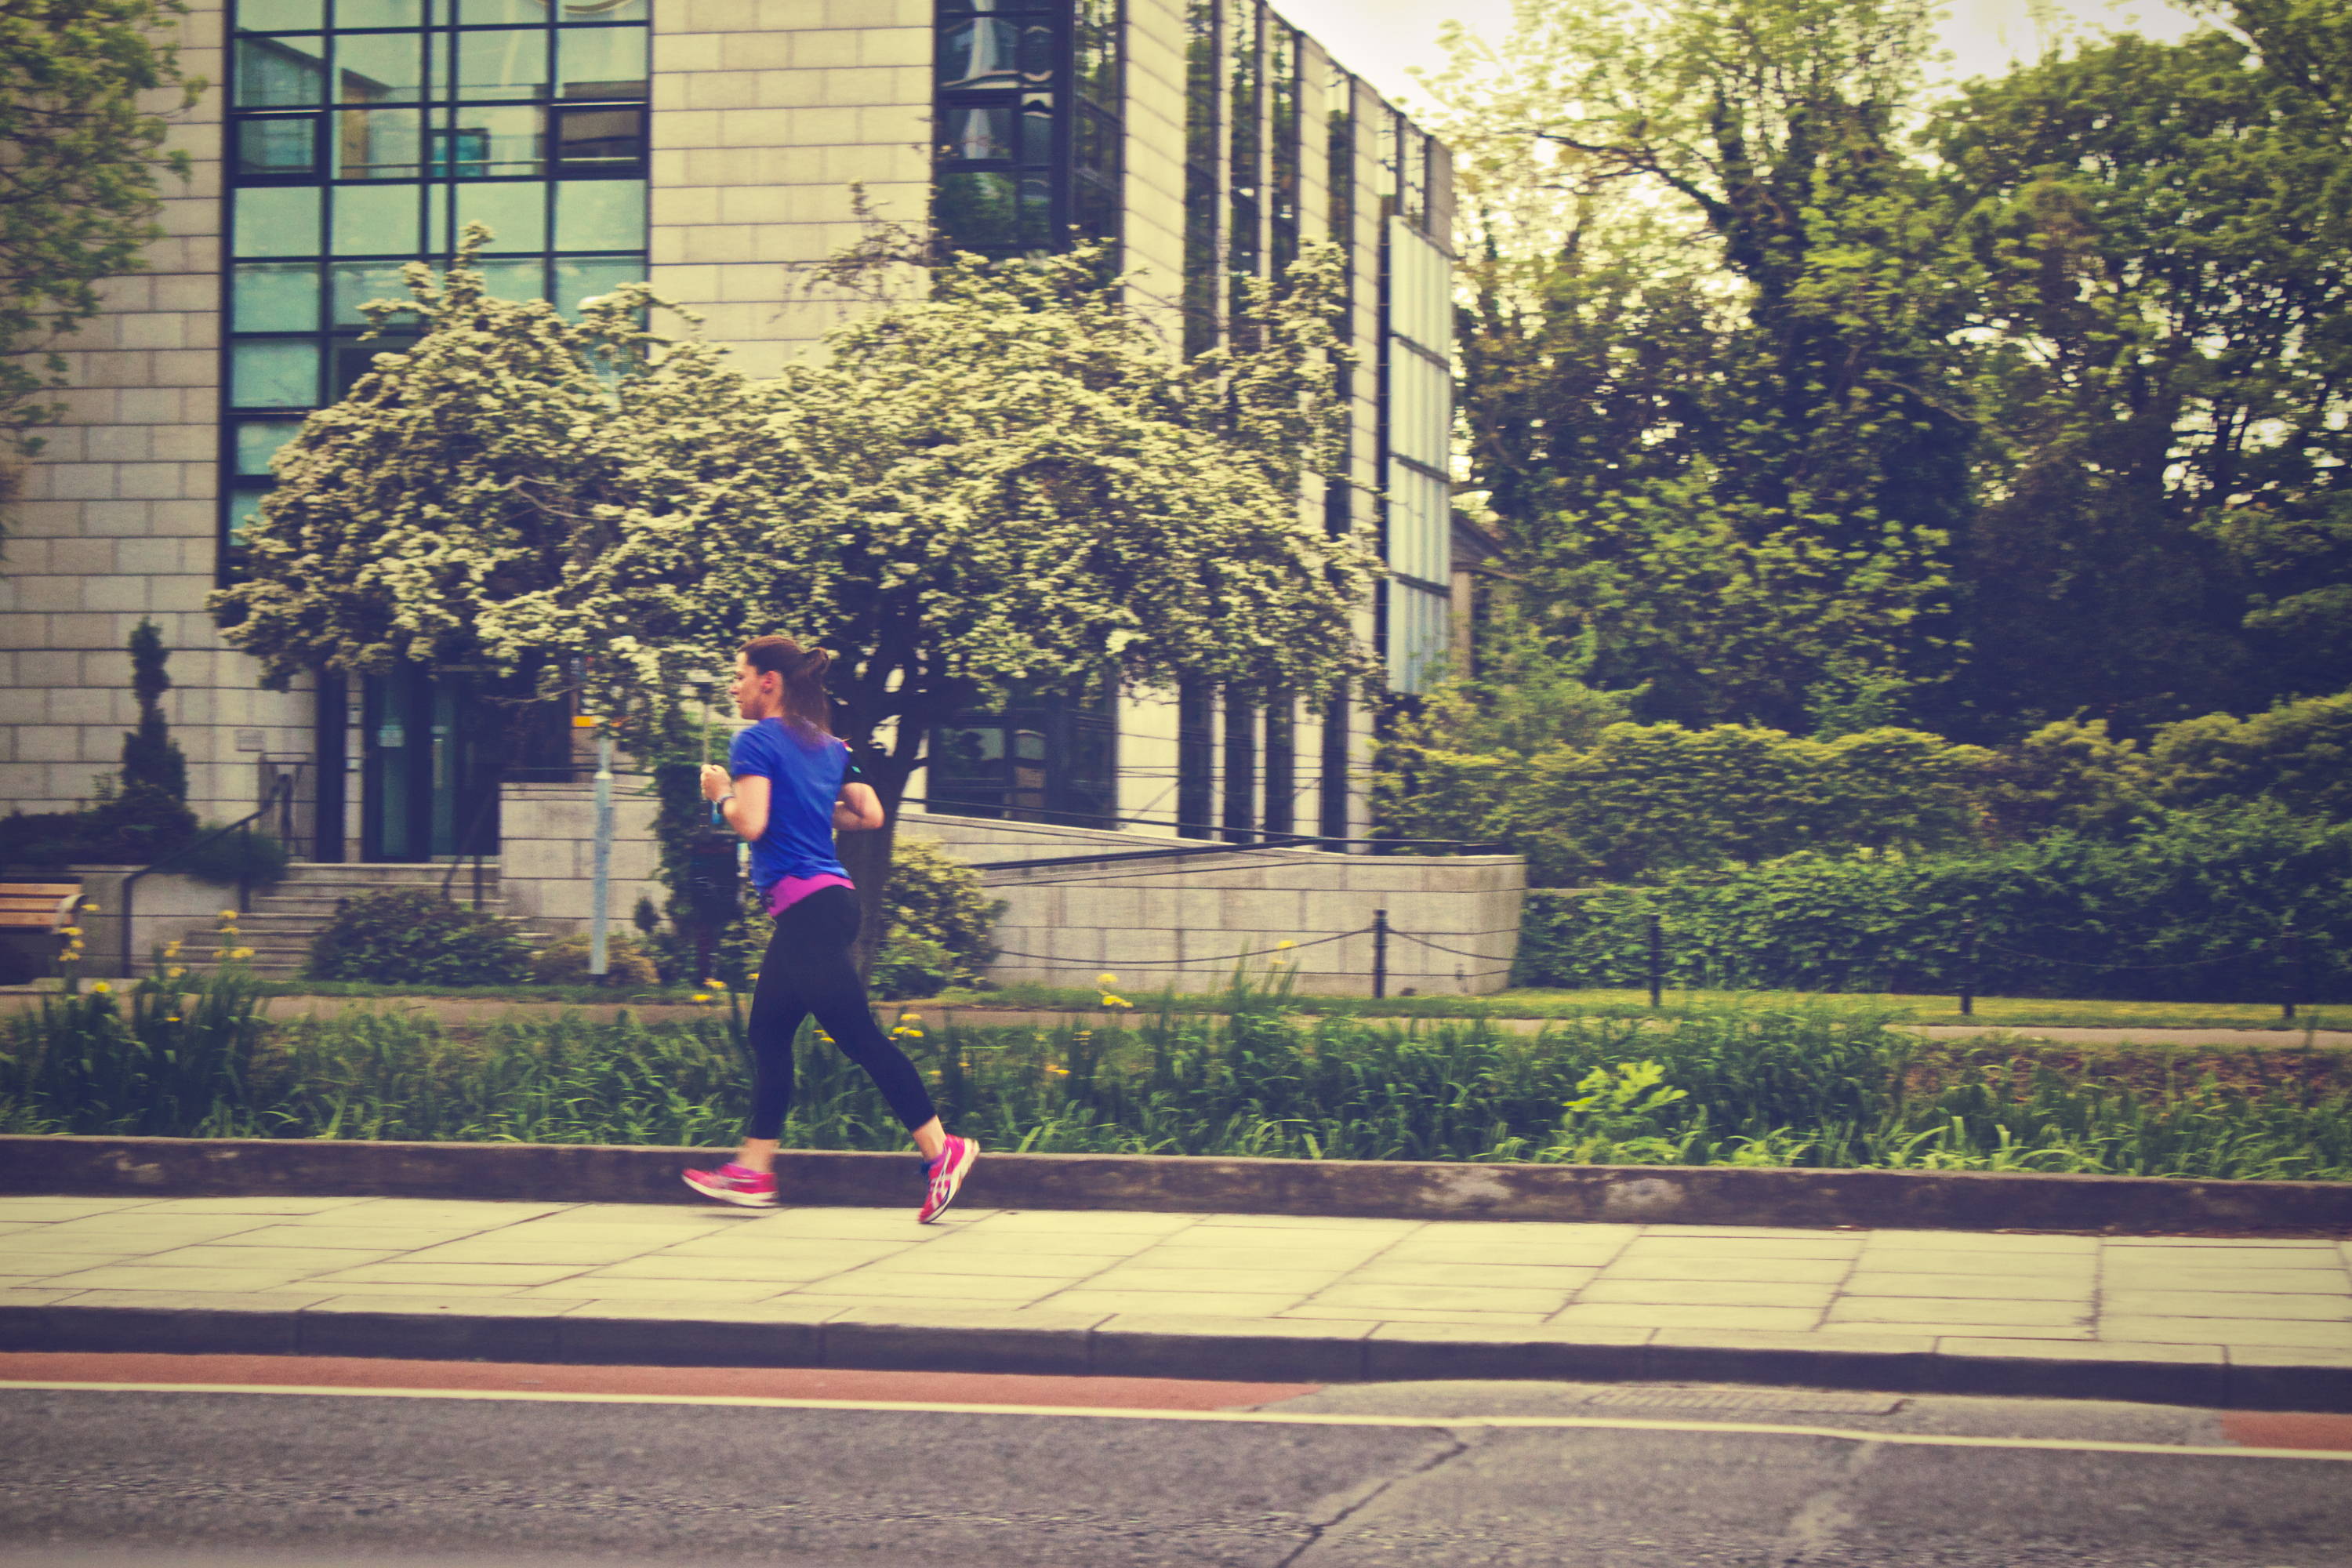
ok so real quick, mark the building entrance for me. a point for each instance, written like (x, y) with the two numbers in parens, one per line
(431, 768)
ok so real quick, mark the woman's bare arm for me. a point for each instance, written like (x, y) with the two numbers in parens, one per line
(858, 809)
(747, 813)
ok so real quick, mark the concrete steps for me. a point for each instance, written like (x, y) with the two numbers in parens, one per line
(282, 923)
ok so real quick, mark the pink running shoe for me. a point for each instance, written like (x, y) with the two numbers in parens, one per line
(737, 1184)
(947, 1174)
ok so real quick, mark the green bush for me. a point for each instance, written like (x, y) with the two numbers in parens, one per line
(258, 858)
(938, 899)
(415, 935)
(566, 962)
(2299, 754)
(2189, 906)
(909, 965)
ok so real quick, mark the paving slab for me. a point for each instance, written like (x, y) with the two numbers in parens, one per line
(2260, 1323)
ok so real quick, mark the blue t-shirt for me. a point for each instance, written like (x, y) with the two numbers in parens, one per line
(803, 778)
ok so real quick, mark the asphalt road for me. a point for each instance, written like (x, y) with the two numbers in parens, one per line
(174, 1479)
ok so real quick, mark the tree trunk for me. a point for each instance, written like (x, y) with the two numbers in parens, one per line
(866, 857)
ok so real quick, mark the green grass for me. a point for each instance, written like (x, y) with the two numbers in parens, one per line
(582, 995)
(1807, 1085)
(1992, 1012)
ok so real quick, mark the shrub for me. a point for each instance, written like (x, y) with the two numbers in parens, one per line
(566, 962)
(256, 858)
(939, 899)
(909, 965)
(411, 935)
(2298, 753)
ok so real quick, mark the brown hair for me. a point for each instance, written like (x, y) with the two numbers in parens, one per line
(803, 669)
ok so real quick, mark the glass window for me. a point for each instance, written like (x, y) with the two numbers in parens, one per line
(982, 53)
(274, 297)
(378, 144)
(475, 13)
(357, 282)
(516, 214)
(511, 63)
(515, 279)
(279, 73)
(969, 133)
(591, 141)
(274, 374)
(603, 10)
(604, 62)
(280, 16)
(600, 215)
(578, 279)
(380, 13)
(1037, 210)
(243, 506)
(258, 441)
(379, 68)
(376, 220)
(487, 141)
(278, 147)
(1037, 129)
(354, 359)
(277, 220)
(976, 209)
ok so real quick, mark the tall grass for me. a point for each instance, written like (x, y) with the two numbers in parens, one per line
(1811, 1086)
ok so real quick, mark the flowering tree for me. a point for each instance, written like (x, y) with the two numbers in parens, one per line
(1008, 481)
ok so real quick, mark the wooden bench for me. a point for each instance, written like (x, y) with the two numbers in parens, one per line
(31, 915)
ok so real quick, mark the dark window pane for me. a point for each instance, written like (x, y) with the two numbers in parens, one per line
(975, 210)
(968, 134)
(282, 148)
(488, 141)
(376, 220)
(274, 297)
(577, 280)
(516, 214)
(1037, 56)
(258, 441)
(243, 506)
(274, 73)
(354, 360)
(979, 54)
(1037, 129)
(597, 141)
(1095, 141)
(602, 62)
(510, 63)
(380, 13)
(379, 68)
(277, 220)
(274, 374)
(357, 282)
(378, 144)
(280, 16)
(1037, 210)
(600, 215)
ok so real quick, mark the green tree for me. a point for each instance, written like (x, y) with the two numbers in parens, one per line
(1008, 480)
(2159, 236)
(1742, 469)
(81, 162)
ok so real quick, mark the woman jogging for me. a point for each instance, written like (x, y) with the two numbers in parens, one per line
(784, 790)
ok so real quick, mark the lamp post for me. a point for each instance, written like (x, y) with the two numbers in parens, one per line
(600, 917)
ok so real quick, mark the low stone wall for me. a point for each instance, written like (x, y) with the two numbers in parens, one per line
(1180, 920)
(547, 854)
(165, 907)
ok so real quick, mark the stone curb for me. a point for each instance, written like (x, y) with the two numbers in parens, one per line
(1651, 1194)
(2209, 1376)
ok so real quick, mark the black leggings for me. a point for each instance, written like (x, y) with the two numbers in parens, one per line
(808, 970)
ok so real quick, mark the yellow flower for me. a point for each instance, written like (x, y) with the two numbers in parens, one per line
(101, 986)
(698, 996)
(174, 973)
(910, 1017)
(714, 986)
(69, 930)
(240, 952)
(1280, 945)
(1117, 1002)
(171, 950)
(172, 1019)
(1105, 979)
(90, 909)
(1051, 1068)
(755, 977)
(229, 914)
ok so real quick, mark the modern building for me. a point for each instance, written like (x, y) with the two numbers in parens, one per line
(710, 145)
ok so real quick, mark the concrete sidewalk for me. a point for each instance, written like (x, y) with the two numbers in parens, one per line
(2264, 1323)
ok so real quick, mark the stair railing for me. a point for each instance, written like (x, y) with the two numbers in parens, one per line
(473, 836)
(280, 795)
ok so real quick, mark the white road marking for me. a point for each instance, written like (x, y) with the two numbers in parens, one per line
(1250, 1417)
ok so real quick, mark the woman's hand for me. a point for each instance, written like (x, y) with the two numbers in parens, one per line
(715, 781)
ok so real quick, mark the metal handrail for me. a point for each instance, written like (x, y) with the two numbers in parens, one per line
(283, 793)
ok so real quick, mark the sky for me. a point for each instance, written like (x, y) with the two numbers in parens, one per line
(1381, 40)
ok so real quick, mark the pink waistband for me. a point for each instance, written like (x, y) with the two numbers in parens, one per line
(786, 892)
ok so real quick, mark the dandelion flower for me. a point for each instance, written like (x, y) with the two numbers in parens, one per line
(69, 930)
(1105, 979)
(1064, 1071)
(229, 914)
(174, 973)
(101, 986)
(172, 1019)
(240, 952)
(700, 996)
(714, 986)
(1117, 1002)
(1286, 942)
(90, 909)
